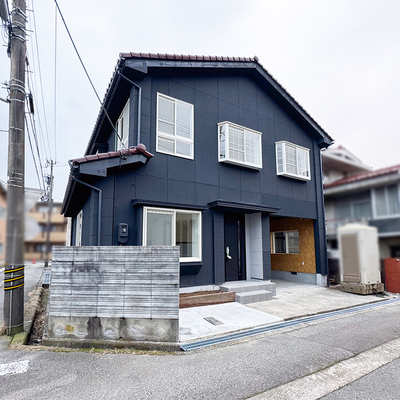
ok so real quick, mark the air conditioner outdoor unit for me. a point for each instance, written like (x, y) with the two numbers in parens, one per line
(359, 259)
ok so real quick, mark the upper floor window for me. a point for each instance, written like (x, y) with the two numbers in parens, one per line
(2, 212)
(356, 207)
(387, 201)
(174, 126)
(122, 128)
(239, 145)
(286, 242)
(292, 160)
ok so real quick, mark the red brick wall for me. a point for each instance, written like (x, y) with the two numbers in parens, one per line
(392, 274)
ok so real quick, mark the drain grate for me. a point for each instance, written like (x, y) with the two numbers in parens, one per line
(213, 321)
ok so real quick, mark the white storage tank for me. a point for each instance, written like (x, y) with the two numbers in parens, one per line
(359, 259)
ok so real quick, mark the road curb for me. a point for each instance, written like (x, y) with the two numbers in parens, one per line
(30, 309)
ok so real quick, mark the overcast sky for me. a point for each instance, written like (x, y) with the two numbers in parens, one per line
(340, 59)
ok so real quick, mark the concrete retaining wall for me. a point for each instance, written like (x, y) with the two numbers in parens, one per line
(113, 293)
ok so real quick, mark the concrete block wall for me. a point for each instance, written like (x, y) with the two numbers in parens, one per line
(115, 293)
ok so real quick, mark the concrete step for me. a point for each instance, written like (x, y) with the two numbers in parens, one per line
(253, 297)
(249, 286)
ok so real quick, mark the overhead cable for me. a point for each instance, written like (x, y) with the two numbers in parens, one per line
(87, 74)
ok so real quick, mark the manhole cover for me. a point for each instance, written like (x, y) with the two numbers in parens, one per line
(213, 321)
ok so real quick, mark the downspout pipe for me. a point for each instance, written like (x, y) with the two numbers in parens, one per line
(100, 202)
(139, 103)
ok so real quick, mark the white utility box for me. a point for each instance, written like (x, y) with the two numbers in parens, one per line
(359, 259)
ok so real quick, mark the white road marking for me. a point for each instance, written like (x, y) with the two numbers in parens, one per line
(321, 383)
(18, 367)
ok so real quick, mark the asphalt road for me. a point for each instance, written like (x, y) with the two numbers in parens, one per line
(32, 276)
(384, 383)
(234, 371)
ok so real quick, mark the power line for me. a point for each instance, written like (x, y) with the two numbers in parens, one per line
(41, 86)
(32, 121)
(33, 155)
(87, 74)
(55, 85)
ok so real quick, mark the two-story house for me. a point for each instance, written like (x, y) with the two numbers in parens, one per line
(371, 197)
(210, 154)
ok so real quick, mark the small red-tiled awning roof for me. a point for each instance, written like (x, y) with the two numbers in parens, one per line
(364, 176)
(87, 165)
(139, 149)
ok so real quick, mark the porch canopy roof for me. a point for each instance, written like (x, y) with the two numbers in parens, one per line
(236, 207)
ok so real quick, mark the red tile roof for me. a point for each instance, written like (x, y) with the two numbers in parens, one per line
(140, 148)
(365, 175)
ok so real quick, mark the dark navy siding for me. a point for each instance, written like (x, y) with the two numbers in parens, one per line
(174, 181)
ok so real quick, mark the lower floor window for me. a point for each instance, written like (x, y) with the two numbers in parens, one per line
(175, 228)
(286, 242)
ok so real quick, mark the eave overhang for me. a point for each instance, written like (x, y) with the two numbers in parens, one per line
(360, 185)
(137, 65)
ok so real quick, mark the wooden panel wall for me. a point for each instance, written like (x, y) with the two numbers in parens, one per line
(303, 262)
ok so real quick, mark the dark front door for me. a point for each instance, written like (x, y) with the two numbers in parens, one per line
(235, 266)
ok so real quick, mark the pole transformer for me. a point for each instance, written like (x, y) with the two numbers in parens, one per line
(14, 269)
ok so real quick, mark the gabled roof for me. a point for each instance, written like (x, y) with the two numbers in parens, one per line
(364, 176)
(142, 62)
(340, 159)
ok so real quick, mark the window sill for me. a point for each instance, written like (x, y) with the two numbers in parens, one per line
(240, 164)
(298, 177)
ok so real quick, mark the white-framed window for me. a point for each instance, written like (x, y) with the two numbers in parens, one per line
(292, 160)
(175, 127)
(122, 127)
(239, 145)
(78, 229)
(286, 242)
(168, 227)
(386, 201)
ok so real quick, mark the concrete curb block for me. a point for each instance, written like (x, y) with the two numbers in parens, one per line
(340, 308)
(110, 344)
(30, 309)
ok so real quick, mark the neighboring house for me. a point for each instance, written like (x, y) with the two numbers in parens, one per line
(372, 198)
(339, 163)
(3, 220)
(35, 248)
(228, 168)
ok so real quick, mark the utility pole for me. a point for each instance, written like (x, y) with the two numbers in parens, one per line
(14, 270)
(46, 263)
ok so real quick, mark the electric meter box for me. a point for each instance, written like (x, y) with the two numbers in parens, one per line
(359, 259)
